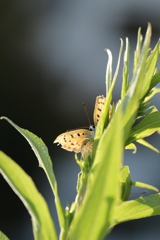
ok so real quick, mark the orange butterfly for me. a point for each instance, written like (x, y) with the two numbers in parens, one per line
(81, 140)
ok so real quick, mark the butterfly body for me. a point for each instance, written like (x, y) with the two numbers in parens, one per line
(81, 140)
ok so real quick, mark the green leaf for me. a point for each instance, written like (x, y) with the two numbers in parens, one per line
(125, 70)
(153, 92)
(139, 208)
(24, 187)
(102, 193)
(45, 162)
(103, 120)
(130, 103)
(3, 236)
(131, 146)
(144, 185)
(147, 126)
(148, 145)
(155, 79)
(148, 110)
(109, 71)
(151, 64)
(126, 183)
(137, 53)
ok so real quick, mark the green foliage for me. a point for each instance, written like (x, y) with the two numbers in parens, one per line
(25, 189)
(45, 163)
(139, 208)
(100, 202)
(104, 184)
(3, 236)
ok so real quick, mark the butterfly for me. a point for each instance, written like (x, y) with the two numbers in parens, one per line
(81, 140)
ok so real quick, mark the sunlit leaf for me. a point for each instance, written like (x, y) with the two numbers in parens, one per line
(139, 208)
(24, 187)
(102, 191)
(45, 162)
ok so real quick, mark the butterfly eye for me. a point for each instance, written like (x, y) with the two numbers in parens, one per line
(92, 128)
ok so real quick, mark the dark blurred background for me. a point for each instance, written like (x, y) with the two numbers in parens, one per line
(51, 60)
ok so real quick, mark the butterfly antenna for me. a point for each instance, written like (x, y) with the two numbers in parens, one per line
(85, 109)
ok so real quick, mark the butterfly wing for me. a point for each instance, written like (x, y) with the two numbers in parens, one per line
(81, 140)
(73, 141)
(87, 148)
(99, 104)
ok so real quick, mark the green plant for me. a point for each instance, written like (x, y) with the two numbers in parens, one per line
(104, 184)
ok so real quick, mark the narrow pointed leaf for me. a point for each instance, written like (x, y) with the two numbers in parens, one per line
(152, 94)
(108, 71)
(137, 51)
(130, 103)
(102, 191)
(103, 120)
(151, 64)
(24, 187)
(148, 145)
(145, 185)
(125, 70)
(45, 162)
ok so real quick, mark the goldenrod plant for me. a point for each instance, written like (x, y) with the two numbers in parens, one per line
(104, 183)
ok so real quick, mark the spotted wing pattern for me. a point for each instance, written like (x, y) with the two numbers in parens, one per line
(99, 104)
(81, 140)
(74, 140)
